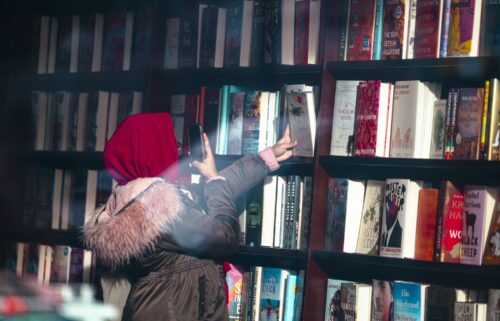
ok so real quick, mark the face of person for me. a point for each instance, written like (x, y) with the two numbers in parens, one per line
(382, 296)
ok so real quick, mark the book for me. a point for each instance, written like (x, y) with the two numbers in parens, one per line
(44, 197)
(439, 303)
(41, 44)
(236, 306)
(301, 31)
(426, 224)
(493, 124)
(373, 207)
(257, 41)
(141, 39)
(40, 110)
(254, 216)
(479, 203)
(412, 17)
(409, 301)
(333, 309)
(493, 308)
(355, 300)
(272, 284)
(172, 43)
(382, 300)
(30, 194)
(400, 212)
(235, 123)
(233, 39)
(64, 43)
(470, 311)
(360, 31)
(343, 207)
(251, 121)
(61, 264)
(86, 42)
(302, 121)
(465, 21)
(395, 29)
(428, 29)
(343, 117)
(438, 130)
(272, 31)
(468, 123)
(490, 34)
(492, 249)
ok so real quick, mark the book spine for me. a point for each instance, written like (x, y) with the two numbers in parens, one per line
(484, 122)
(443, 52)
(377, 37)
(343, 30)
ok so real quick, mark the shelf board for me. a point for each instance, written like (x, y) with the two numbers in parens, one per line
(85, 81)
(443, 69)
(465, 171)
(270, 257)
(74, 6)
(292, 166)
(266, 76)
(51, 237)
(364, 268)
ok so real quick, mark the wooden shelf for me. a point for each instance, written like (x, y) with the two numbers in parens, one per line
(85, 81)
(51, 237)
(270, 257)
(364, 268)
(465, 171)
(293, 166)
(74, 6)
(446, 69)
(269, 77)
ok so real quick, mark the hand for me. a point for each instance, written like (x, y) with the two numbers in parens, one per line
(206, 168)
(283, 148)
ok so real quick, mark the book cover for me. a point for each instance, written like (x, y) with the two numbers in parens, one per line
(270, 300)
(463, 37)
(470, 311)
(301, 31)
(409, 301)
(305, 218)
(468, 123)
(490, 29)
(449, 224)
(177, 107)
(478, 209)
(188, 34)
(172, 43)
(40, 43)
(141, 43)
(493, 309)
(438, 129)
(395, 29)
(45, 184)
(64, 38)
(440, 303)
(373, 207)
(302, 120)
(77, 199)
(61, 264)
(208, 37)
(235, 124)
(493, 124)
(257, 41)
(254, 216)
(233, 34)
(76, 266)
(410, 41)
(114, 41)
(191, 111)
(361, 30)
(272, 32)
(251, 122)
(426, 223)
(291, 290)
(382, 300)
(235, 305)
(333, 309)
(492, 249)
(428, 29)
(343, 117)
(86, 42)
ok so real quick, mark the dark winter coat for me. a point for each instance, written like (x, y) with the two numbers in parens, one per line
(170, 241)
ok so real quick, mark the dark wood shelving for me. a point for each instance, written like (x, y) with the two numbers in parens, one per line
(292, 166)
(270, 257)
(74, 6)
(364, 268)
(269, 77)
(85, 81)
(52, 237)
(462, 70)
(466, 171)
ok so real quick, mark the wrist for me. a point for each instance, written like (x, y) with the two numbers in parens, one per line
(269, 158)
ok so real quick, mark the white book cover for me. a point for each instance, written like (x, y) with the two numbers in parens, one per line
(171, 59)
(432, 93)
(401, 199)
(388, 125)
(75, 41)
(246, 33)
(344, 110)
(354, 209)
(302, 121)
(81, 123)
(98, 42)
(314, 25)
(373, 208)
(127, 48)
(438, 129)
(177, 106)
(470, 311)
(407, 118)
(264, 110)
(410, 220)
(220, 38)
(411, 29)
(280, 212)
(287, 31)
(268, 210)
(43, 44)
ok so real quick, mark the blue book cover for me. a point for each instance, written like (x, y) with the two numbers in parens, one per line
(408, 301)
(290, 297)
(336, 210)
(270, 294)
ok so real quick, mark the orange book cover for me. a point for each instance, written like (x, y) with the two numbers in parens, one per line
(426, 223)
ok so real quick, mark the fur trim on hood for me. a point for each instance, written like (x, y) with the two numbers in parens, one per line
(132, 220)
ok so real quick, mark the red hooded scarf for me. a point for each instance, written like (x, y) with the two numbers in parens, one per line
(143, 145)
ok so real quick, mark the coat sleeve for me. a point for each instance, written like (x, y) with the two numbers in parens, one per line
(217, 232)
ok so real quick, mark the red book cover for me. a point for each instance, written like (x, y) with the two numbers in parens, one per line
(301, 32)
(365, 123)
(427, 31)
(360, 30)
(394, 29)
(449, 227)
(426, 223)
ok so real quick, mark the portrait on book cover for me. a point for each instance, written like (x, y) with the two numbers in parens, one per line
(394, 207)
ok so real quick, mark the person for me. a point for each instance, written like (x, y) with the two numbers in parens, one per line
(169, 241)
(382, 301)
(335, 308)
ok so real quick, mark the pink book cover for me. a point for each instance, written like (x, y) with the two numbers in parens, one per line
(360, 30)
(365, 124)
(393, 30)
(301, 31)
(234, 279)
(461, 27)
(427, 30)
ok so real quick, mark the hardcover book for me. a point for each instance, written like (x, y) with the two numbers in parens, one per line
(492, 249)
(493, 309)
(188, 34)
(343, 117)
(428, 29)
(235, 124)
(301, 31)
(438, 130)
(272, 32)
(382, 300)
(270, 294)
(468, 123)
(490, 29)
(232, 46)
(409, 301)
(470, 311)
(258, 25)
(373, 207)
(333, 308)
(302, 121)
(64, 40)
(439, 303)
(395, 29)
(426, 224)
(463, 38)
(360, 30)
(141, 43)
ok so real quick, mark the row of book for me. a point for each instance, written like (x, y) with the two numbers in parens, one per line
(113, 41)
(50, 264)
(244, 33)
(241, 120)
(63, 199)
(277, 213)
(409, 120)
(264, 294)
(398, 300)
(409, 219)
(79, 121)
(407, 29)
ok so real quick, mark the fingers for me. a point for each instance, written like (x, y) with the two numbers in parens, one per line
(208, 150)
(286, 135)
(196, 164)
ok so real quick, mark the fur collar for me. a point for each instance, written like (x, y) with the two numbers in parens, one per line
(132, 220)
